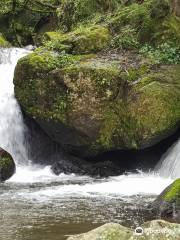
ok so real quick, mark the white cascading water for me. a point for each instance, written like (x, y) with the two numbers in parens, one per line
(12, 129)
(12, 139)
(169, 165)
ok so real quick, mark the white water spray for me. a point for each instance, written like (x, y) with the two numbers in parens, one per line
(169, 165)
(12, 128)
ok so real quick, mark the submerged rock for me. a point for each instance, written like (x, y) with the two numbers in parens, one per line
(157, 229)
(7, 165)
(168, 202)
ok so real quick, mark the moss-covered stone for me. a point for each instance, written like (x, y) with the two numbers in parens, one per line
(109, 231)
(82, 41)
(173, 193)
(168, 202)
(157, 229)
(3, 42)
(146, 115)
(7, 165)
(101, 101)
(21, 21)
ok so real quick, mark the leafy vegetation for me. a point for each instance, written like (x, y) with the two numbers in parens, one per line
(167, 53)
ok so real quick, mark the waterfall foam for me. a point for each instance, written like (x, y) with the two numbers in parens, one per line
(12, 128)
(169, 165)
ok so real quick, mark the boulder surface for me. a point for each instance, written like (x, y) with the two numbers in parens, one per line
(157, 229)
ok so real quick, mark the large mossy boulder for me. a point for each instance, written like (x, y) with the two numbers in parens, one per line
(92, 104)
(168, 202)
(157, 229)
(7, 165)
(81, 41)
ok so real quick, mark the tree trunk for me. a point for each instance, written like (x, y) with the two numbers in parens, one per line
(175, 7)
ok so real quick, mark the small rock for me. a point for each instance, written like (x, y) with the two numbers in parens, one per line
(7, 165)
(167, 204)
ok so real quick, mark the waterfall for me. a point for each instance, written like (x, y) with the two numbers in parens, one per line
(13, 132)
(12, 128)
(169, 165)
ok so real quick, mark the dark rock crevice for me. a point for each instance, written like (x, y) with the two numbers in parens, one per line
(45, 151)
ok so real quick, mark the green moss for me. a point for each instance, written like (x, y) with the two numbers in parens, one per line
(3, 42)
(134, 15)
(7, 166)
(128, 123)
(113, 234)
(42, 84)
(46, 61)
(5, 162)
(100, 99)
(82, 41)
(173, 193)
(93, 39)
(118, 128)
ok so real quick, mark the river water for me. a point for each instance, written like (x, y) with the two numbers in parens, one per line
(37, 205)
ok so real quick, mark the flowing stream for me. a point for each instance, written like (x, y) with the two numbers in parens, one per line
(35, 204)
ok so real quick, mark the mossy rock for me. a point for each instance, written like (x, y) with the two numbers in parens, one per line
(167, 203)
(82, 41)
(111, 231)
(28, 20)
(93, 104)
(7, 165)
(157, 229)
(3, 42)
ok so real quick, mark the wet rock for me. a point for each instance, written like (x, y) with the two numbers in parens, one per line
(90, 105)
(7, 165)
(82, 167)
(70, 165)
(167, 205)
(157, 229)
(107, 232)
